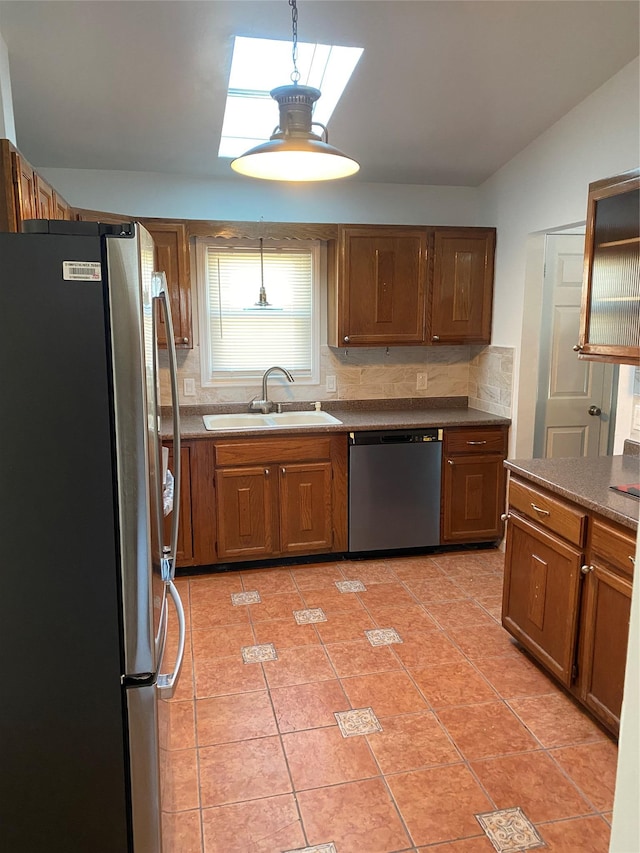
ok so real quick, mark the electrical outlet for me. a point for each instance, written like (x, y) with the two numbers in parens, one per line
(421, 383)
(189, 387)
(331, 384)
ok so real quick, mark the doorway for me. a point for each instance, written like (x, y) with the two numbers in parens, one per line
(574, 413)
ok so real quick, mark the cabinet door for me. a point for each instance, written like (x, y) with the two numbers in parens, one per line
(172, 256)
(305, 507)
(473, 498)
(540, 597)
(462, 289)
(381, 288)
(610, 314)
(605, 627)
(25, 183)
(61, 209)
(45, 205)
(245, 512)
(184, 556)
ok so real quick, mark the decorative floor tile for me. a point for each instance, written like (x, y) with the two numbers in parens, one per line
(360, 722)
(383, 636)
(317, 848)
(258, 654)
(238, 598)
(351, 586)
(306, 617)
(509, 830)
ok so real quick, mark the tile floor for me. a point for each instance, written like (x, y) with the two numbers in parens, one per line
(313, 714)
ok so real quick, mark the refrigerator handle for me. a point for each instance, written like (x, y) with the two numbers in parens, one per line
(169, 553)
(167, 682)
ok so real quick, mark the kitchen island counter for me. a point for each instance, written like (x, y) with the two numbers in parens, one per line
(587, 482)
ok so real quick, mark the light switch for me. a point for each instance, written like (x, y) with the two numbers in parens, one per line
(189, 387)
(331, 384)
(636, 417)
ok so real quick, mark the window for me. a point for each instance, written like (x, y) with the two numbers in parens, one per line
(242, 336)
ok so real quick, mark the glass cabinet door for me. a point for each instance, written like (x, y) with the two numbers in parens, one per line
(610, 328)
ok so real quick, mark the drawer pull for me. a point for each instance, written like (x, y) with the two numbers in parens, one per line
(586, 569)
(476, 442)
(540, 511)
(633, 560)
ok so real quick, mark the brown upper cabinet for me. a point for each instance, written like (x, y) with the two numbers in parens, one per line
(405, 286)
(610, 314)
(24, 194)
(377, 286)
(461, 293)
(171, 255)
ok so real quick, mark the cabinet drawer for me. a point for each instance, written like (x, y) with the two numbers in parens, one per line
(266, 450)
(612, 546)
(550, 513)
(488, 440)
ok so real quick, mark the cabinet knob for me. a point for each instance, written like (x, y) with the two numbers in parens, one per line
(450, 461)
(586, 569)
(185, 340)
(284, 470)
(505, 516)
(435, 337)
(577, 348)
(266, 472)
(346, 339)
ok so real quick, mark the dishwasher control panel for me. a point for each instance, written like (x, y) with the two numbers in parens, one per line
(399, 436)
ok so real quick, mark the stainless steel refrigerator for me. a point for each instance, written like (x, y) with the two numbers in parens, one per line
(86, 571)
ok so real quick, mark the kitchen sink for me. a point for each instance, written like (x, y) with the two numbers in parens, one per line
(272, 421)
(303, 418)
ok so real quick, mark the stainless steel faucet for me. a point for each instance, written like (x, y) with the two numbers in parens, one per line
(265, 405)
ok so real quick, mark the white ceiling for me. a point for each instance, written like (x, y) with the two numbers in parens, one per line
(446, 92)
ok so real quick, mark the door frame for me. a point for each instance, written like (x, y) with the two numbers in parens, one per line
(528, 372)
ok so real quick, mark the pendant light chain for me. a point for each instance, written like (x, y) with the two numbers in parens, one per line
(295, 74)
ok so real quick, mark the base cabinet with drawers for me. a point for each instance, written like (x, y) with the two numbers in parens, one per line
(280, 496)
(473, 483)
(567, 594)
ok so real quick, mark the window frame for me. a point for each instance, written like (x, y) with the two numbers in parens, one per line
(241, 378)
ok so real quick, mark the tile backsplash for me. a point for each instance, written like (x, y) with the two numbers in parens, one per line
(484, 374)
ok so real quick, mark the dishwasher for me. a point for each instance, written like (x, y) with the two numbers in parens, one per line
(394, 489)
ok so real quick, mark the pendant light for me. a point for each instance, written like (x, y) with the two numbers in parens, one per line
(294, 152)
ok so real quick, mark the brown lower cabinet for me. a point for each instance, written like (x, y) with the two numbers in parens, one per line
(473, 483)
(257, 498)
(567, 594)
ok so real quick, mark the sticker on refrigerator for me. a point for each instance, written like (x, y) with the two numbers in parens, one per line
(81, 271)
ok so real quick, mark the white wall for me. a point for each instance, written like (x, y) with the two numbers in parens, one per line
(545, 187)
(149, 194)
(7, 125)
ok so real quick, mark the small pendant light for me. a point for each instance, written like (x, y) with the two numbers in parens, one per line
(294, 152)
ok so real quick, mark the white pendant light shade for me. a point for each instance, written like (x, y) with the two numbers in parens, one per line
(294, 152)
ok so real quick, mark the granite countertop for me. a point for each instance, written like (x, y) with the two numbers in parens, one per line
(355, 416)
(587, 483)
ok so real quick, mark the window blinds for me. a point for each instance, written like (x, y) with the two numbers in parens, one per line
(246, 337)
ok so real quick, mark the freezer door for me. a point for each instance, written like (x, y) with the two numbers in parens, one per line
(145, 758)
(138, 460)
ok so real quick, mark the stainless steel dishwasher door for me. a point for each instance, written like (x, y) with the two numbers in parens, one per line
(394, 494)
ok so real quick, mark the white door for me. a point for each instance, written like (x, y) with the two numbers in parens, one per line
(573, 411)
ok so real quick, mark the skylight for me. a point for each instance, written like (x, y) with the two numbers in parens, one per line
(259, 65)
